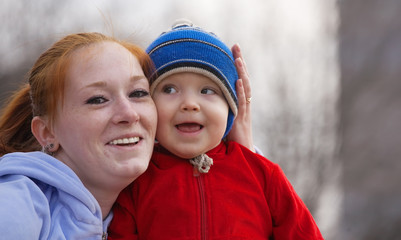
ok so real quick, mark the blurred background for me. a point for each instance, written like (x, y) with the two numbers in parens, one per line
(325, 79)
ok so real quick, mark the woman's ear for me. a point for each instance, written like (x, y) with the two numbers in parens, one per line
(43, 132)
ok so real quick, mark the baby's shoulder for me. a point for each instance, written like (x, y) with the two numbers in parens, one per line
(236, 149)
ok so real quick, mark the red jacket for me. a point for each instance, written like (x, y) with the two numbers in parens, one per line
(243, 196)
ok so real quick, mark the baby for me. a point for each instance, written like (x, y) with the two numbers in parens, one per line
(199, 186)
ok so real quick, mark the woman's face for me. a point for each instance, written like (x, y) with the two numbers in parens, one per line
(107, 122)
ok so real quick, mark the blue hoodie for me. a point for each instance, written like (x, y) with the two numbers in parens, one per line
(42, 198)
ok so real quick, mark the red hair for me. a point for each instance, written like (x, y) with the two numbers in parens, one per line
(45, 89)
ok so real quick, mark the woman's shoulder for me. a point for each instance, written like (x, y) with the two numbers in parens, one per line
(19, 189)
(24, 207)
(38, 192)
(41, 176)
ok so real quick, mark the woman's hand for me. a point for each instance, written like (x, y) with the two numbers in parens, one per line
(242, 128)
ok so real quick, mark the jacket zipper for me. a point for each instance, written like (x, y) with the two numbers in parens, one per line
(201, 189)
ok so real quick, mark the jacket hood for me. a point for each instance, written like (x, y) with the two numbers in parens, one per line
(50, 171)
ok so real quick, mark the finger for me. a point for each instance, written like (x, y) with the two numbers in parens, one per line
(244, 76)
(241, 98)
(242, 69)
(237, 53)
(236, 50)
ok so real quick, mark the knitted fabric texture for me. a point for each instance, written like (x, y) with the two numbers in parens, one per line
(202, 163)
(186, 48)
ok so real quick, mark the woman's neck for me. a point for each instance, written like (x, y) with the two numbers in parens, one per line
(106, 200)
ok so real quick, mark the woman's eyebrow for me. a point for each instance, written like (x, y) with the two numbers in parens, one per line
(96, 84)
(138, 78)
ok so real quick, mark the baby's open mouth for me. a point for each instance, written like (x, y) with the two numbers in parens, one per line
(189, 127)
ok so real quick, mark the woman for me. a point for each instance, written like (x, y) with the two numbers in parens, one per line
(87, 107)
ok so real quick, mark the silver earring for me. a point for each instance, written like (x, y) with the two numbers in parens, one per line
(47, 149)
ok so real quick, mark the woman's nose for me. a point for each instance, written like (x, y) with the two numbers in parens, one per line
(125, 112)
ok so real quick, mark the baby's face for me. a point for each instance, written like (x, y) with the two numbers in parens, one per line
(192, 114)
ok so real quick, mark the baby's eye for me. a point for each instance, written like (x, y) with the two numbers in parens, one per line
(208, 91)
(169, 89)
(139, 93)
(96, 100)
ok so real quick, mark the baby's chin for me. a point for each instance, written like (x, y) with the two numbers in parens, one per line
(187, 155)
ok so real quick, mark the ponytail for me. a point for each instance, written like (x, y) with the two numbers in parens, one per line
(15, 124)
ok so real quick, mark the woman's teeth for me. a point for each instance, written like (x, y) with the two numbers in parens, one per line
(125, 141)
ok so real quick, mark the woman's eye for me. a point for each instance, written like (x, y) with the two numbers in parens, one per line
(208, 91)
(139, 93)
(169, 89)
(96, 100)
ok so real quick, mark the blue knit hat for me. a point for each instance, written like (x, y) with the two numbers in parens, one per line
(186, 48)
